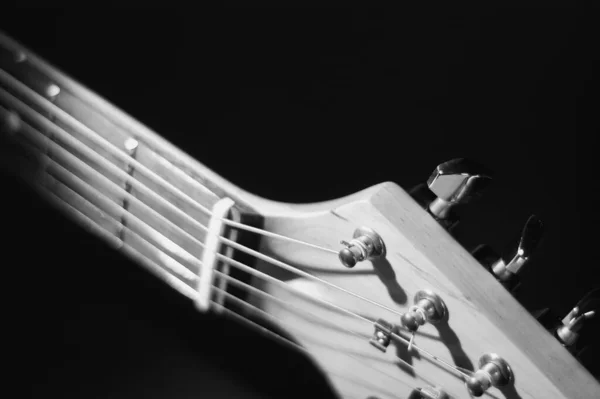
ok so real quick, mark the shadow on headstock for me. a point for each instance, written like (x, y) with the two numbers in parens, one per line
(485, 319)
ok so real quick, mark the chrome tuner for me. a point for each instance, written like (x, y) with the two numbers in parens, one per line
(507, 266)
(428, 307)
(366, 244)
(568, 333)
(493, 371)
(454, 182)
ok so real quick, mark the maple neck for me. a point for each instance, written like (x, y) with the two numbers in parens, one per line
(108, 171)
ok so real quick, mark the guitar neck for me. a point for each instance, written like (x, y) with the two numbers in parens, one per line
(107, 171)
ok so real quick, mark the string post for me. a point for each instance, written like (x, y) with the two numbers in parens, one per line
(366, 244)
(493, 371)
(428, 307)
(382, 335)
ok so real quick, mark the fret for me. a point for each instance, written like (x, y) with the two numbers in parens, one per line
(152, 202)
(90, 201)
(99, 124)
(183, 215)
(107, 196)
(98, 215)
(70, 208)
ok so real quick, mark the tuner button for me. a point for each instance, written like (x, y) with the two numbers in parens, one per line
(493, 371)
(348, 257)
(507, 266)
(456, 182)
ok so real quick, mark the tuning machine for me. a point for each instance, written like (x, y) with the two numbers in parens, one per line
(569, 329)
(452, 183)
(366, 244)
(568, 332)
(507, 266)
(428, 307)
(493, 371)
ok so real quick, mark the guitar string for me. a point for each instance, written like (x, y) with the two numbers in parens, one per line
(288, 305)
(253, 271)
(278, 320)
(274, 261)
(292, 345)
(187, 290)
(253, 308)
(63, 136)
(57, 112)
(98, 195)
(162, 273)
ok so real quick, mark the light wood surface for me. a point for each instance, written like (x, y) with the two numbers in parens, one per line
(420, 255)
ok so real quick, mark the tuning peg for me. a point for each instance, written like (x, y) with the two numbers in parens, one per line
(493, 371)
(569, 331)
(428, 307)
(366, 244)
(452, 183)
(506, 267)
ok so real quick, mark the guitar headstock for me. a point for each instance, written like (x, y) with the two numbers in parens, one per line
(436, 318)
(385, 300)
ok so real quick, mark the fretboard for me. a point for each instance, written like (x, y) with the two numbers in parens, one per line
(104, 169)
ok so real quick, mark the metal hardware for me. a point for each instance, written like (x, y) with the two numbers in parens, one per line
(131, 145)
(432, 393)
(493, 371)
(530, 239)
(586, 308)
(507, 266)
(455, 182)
(429, 307)
(366, 244)
(382, 335)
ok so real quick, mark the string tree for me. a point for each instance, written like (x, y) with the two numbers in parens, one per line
(452, 183)
(382, 336)
(366, 244)
(493, 371)
(507, 266)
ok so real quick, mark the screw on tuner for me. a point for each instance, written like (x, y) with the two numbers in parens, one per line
(507, 266)
(452, 183)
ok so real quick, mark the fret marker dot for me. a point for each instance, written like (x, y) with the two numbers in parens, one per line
(12, 122)
(52, 90)
(131, 144)
(20, 57)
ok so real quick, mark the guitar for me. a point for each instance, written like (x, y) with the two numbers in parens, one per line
(277, 267)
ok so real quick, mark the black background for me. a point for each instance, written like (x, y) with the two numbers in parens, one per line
(299, 105)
